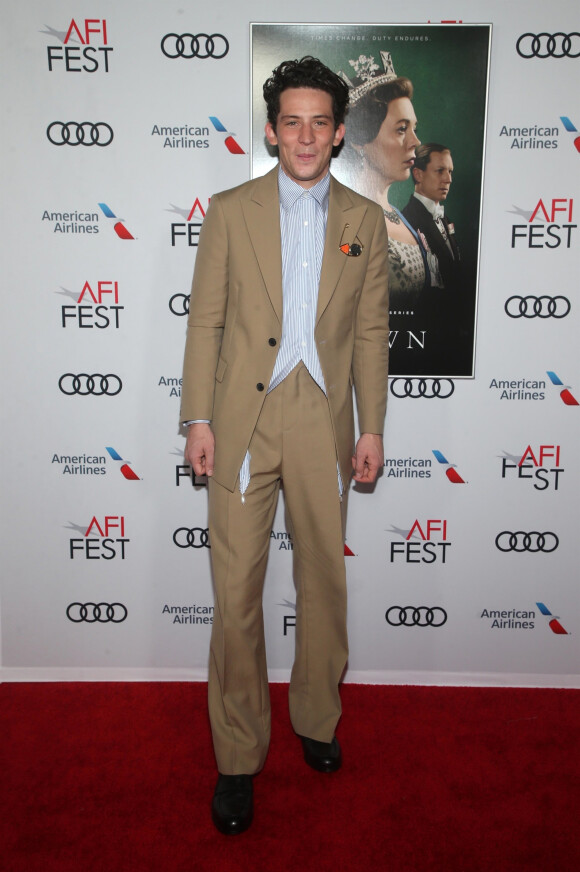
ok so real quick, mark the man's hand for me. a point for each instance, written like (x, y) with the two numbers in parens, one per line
(368, 458)
(200, 448)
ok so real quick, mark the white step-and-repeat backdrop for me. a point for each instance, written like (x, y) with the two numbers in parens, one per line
(120, 120)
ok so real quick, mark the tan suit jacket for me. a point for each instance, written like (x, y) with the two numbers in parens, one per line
(235, 320)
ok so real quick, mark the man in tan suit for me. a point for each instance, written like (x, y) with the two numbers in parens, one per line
(288, 311)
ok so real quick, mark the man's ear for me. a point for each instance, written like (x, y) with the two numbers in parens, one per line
(270, 134)
(338, 135)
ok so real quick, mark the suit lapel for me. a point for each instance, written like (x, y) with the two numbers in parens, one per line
(436, 241)
(432, 233)
(452, 240)
(261, 210)
(341, 212)
(262, 216)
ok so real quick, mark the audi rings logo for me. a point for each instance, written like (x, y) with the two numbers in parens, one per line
(179, 304)
(84, 384)
(196, 537)
(549, 45)
(85, 133)
(537, 307)
(96, 613)
(520, 541)
(200, 45)
(420, 616)
(422, 387)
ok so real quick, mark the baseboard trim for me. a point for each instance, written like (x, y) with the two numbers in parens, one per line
(440, 679)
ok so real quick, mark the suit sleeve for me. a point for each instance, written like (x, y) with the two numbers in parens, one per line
(371, 341)
(207, 312)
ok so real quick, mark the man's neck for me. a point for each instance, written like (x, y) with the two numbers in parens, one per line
(306, 185)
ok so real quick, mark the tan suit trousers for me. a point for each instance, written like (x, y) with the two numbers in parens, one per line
(293, 442)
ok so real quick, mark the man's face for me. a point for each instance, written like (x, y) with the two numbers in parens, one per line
(434, 181)
(305, 134)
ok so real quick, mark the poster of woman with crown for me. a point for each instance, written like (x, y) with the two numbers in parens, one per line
(414, 143)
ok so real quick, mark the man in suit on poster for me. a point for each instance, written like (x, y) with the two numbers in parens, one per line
(433, 173)
(289, 310)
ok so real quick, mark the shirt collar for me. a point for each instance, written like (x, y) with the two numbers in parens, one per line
(290, 191)
(436, 209)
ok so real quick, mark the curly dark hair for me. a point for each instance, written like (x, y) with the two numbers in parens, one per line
(308, 72)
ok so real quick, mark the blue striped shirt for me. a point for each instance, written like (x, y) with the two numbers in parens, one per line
(303, 214)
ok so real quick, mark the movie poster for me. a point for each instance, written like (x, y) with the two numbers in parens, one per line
(437, 74)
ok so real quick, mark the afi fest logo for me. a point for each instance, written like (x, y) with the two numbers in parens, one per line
(184, 472)
(566, 394)
(97, 305)
(104, 540)
(430, 545)
(190, 228)
(118, 226)
(540, 466)
(288, 621)
(549, 224)
(84, 47)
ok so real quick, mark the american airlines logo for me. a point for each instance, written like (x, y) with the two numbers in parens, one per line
(229, 141)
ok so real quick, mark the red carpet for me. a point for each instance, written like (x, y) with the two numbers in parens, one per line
(113, 777)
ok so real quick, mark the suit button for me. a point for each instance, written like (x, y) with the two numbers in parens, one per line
(271, 341)
(260, 386)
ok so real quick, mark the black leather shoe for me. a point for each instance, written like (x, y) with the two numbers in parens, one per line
(322, 756)
(232, 808)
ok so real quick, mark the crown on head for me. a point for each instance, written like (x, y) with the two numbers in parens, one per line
(366, 77)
